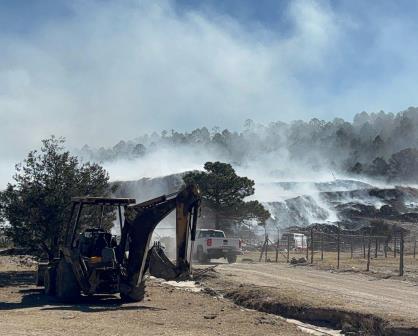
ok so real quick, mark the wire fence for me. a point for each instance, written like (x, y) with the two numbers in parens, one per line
(392, 253)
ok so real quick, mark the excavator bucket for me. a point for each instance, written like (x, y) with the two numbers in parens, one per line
(161, 266)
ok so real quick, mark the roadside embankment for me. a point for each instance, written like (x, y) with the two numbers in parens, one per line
(355, 303)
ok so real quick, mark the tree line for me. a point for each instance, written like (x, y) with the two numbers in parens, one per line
(380, 145)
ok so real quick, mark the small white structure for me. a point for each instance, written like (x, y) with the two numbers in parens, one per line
(300, 241)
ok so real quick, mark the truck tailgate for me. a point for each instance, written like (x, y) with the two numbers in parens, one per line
(225, 243)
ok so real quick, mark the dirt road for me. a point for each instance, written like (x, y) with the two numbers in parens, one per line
(394, 301)
(25, 310)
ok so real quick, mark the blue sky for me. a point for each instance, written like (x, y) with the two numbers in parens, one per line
(82, 69)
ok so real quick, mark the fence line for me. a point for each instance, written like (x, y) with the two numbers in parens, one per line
(350, 248)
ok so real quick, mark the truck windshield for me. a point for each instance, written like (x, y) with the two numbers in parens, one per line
(212, 234)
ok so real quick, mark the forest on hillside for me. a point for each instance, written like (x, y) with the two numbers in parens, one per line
(379, 145)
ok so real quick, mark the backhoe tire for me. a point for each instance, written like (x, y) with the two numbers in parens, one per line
(67, 288)
(137, 294)
(232, 258)
(201, 256)
(50, 276)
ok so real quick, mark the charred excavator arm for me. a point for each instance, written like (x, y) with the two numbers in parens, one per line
(140, 222)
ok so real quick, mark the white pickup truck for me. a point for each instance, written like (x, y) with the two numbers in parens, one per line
(213, 244)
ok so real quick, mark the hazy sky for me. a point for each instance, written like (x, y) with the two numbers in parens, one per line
(99, 71)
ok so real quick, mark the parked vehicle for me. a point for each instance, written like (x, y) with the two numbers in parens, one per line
(213, 244)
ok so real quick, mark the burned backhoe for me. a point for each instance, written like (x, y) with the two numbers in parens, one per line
(93, 261)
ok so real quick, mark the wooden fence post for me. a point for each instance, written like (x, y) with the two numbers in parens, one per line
(376, 247)
(386, 248)
(322, 246)
(288, 247)
(267, 247)
(312, 246)
(338, 247)
(394, 247)
(351, 247)
(401, 252)
(364, 247)
(368, 253)
(277, 249)
(262, 250)
(307, 248)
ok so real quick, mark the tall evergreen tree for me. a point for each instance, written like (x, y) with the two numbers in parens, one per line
(224, 193)
(36, 205)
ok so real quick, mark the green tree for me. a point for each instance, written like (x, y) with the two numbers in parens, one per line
(223, 192)
(37, 204)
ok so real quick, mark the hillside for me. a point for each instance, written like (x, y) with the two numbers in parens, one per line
(348, 202)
